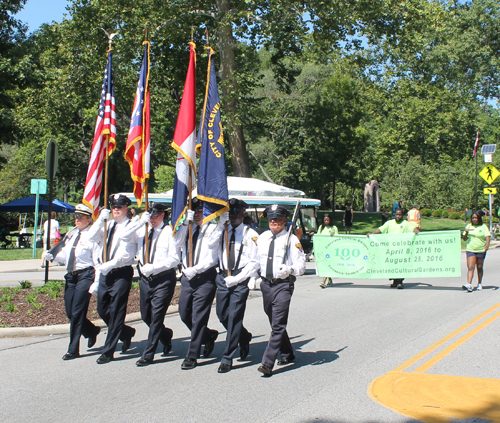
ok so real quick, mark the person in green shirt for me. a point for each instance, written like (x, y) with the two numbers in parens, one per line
(477, 236)
(396, 226)
(327, 228)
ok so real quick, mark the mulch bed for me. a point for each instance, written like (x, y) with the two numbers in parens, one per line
(53, 312)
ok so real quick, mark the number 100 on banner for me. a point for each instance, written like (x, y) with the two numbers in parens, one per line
(423, 255)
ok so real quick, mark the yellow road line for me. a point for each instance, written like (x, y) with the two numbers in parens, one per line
(456, 344)
(433, 347)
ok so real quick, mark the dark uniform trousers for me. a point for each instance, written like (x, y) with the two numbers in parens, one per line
(195, 301)
(112, 298)
(277, 299)
(156, 294)
(76, 302)
(230, 306)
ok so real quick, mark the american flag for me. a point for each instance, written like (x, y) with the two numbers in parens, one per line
(476, 144)
(105, 129)
(137, 151)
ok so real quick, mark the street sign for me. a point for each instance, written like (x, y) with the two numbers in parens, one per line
(489, 190)
(489, 173)
(51, 159)
(38, 186)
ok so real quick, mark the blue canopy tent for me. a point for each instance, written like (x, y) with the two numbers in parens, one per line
(27, 204)
(68, 208)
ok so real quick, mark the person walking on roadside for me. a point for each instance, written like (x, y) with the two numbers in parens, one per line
(348, 218)
(80, 256)
(414, 217)
(236, 268)
(280, 264)
(114, 276)
(396, 226)
(327, 228)
(477, 235)
(198, 283)
(157, 276)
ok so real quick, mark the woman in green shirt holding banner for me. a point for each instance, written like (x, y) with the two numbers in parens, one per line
(327, 228)
(477, 236)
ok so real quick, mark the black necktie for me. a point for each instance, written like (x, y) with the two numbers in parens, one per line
(110, 241)
(72, 257)
(270, 259)
(150, 242)
(230, 262)
(195, 237)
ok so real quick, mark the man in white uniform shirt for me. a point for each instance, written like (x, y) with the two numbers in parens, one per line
(80, 257)
(198, 285)
(279, 266)
(157, 276)
(116, 275)
(237, 265)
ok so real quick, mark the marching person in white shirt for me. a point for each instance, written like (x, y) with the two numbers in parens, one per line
(157, 276)
(279, 266)
(236, 268)
(198, 284)
(80, 257)
(116, 275)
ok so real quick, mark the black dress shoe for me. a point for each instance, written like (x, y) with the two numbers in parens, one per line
(103, 359)
(224, 368)
(144, 362)
(188, 363)
(286, 361)
(209, 346)
(69, 356)
(93, 338)
(245, 348)
(167, 346)
(265, 370)
(126, 344)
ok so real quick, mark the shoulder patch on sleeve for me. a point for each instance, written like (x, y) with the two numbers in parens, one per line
(255, 238)
(299, 246)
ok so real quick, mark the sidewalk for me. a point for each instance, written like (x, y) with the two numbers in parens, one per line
(30, 265)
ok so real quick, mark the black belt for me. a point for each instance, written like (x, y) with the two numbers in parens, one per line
(276, 281)
(233, 272)
(153, 278)
(77, 272)
(118, 269)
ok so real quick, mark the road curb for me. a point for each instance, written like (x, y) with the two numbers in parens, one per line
(63, 329)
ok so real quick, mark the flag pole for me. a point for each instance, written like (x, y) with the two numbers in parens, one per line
(146, 197)
(190, 227)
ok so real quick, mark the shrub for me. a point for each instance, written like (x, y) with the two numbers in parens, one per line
(462, 215)
(426, 212)
(25, 284)
(11, 307)
(31, 297)
(6, 298)
(437, 213)
(446, 213)
(454, 215)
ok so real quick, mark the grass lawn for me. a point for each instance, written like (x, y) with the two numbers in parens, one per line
(19, 254)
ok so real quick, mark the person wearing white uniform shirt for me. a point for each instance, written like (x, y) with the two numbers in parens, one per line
(80, 257)
(157, 263)
(237, 264)
(116, 275)
(198, 284)
(278, 277)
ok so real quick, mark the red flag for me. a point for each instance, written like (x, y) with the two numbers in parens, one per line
(137, 151)
(184, 142)
(105, 129)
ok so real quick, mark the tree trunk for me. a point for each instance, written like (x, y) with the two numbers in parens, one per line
(240, 161)
(333, 195)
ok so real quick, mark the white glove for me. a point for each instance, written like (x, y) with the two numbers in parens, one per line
(94, 288)
(189, 217)
(145, 218)
(104, 214)
(223, 219)
(104, 268)
(231, 281)
(284, 271)
(147, 269)
(190, 272)
(47, 256)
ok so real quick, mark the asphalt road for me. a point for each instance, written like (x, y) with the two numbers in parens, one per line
(345, 338)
